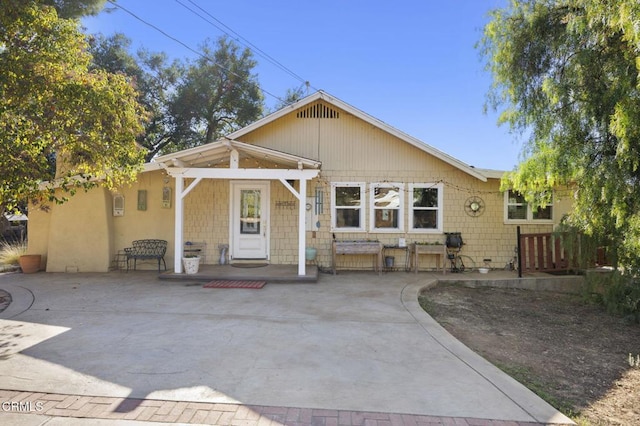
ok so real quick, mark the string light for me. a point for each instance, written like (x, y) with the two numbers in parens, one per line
(263, 162)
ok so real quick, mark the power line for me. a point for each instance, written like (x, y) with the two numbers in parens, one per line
(230, 32)
(186, 46)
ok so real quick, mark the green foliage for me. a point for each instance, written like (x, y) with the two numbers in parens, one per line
(566, 74)
(219, 93)
(156, 80)
(618, 293)
(581, 249)
(291, 96)
(189, 104)
(57, 114)
(75, 8)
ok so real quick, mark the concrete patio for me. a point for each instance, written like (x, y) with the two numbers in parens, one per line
(352, 343)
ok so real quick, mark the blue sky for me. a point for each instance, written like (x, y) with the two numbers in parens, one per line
(411, 64)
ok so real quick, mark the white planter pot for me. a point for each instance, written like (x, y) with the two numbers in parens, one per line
(191, 264)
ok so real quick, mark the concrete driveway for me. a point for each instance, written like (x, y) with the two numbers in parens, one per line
(356, 341)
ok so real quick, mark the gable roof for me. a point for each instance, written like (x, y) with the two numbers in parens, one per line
(323, 96)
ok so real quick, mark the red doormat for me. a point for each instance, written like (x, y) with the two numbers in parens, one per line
(235, 284)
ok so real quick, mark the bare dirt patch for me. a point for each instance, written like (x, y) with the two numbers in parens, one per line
(573, 354)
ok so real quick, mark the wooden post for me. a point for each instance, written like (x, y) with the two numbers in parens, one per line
(519, 251)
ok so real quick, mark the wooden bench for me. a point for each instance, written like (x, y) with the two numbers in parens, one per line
(146, 249)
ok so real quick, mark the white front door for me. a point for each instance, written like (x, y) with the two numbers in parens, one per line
(249, 220)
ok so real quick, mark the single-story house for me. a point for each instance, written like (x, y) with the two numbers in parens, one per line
(314, 171)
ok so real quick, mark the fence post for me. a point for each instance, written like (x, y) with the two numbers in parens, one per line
(519, 252)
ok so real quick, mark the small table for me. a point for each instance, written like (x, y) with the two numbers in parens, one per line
(438, 250)
(358, 247)
(396, 247)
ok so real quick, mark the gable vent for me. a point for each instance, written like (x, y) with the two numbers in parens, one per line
(318, 111)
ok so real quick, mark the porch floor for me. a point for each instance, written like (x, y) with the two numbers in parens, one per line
(268, 273)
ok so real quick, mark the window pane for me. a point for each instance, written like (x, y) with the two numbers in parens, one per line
(387, 197)
(347, 196)
(515, 198)
(250, 211)
(348, 218)
(542, 213)
(386, 218)
(517, 212)
(425, 197)
(425, 219)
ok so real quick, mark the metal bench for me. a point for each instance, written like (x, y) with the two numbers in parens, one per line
(146, 249)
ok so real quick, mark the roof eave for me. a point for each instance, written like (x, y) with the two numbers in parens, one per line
(180, 157)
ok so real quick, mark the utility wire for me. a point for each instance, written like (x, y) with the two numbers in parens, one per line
(186, 46)
(230, 32)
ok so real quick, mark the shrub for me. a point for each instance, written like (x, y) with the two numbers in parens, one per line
(618, 293)
(10, 252)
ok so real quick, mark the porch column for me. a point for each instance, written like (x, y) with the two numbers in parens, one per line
(302, 232)
(178, 226)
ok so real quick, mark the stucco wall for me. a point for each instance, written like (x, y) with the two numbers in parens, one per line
(156, 222)
(38, 227)
(80, 233)
(83, 235)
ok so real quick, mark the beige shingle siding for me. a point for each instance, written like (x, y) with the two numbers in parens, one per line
(352, 150)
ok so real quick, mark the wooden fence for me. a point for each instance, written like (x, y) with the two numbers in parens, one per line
(540, 252)
(546, 252)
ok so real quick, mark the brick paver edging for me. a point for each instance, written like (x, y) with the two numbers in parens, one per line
(95, 407)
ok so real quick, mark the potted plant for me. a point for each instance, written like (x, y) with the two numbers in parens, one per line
(191, 263)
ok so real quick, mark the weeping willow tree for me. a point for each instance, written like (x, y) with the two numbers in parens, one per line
(566, 75)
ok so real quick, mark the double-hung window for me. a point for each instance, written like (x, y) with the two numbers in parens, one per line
(347, 206)
(387, 207)
(518, 210)
(426, 208)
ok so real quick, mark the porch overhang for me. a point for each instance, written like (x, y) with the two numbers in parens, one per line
(255, 174)
(219, 155)
(209, 161)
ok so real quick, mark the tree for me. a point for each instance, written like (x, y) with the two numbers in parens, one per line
(218, 95)
(291, 97)
(156, 80)
(55, 112)
(75, 8)
(566, 74)
(188, 105)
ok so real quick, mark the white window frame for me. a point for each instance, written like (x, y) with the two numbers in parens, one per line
(373, 208)
(362, 206)
(529, 218)
(440, 208)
